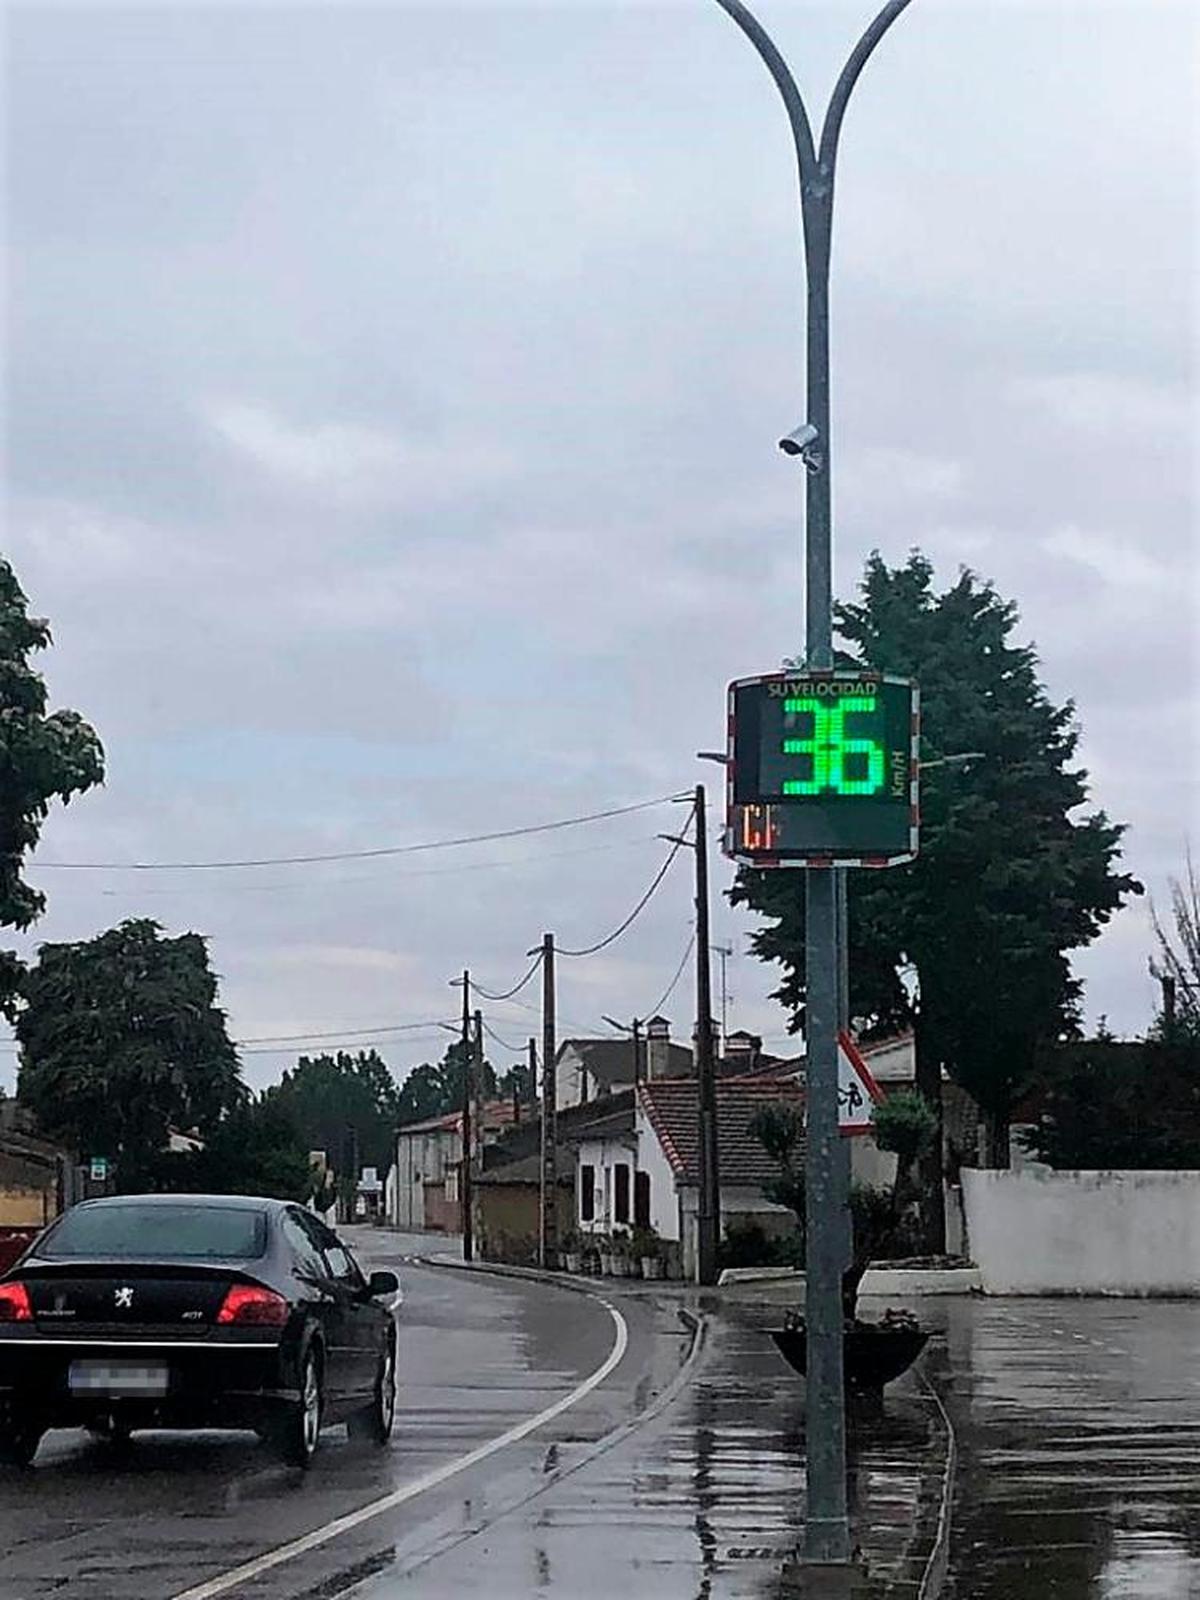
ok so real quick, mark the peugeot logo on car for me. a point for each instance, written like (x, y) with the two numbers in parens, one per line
(124, 1299)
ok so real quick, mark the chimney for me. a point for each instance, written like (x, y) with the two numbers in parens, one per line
(742, 1051)
(658, 1048)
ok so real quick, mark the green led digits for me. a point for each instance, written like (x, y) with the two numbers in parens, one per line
(828, 748)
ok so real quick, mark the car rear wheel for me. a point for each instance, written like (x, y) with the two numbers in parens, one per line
(19, 1439)
(300, 1428)
(374, 1423)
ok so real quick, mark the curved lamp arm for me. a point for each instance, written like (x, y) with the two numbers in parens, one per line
(848, 77)
(806, 157)
(816, 170)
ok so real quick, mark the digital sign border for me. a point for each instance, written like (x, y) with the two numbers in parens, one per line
(824, 857)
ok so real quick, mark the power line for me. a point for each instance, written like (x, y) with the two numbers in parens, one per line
(359, 855)
(516, 988)
(282, 1049)
(343, 1033)
(503, 1043)
(670, 989)
(270, 1044)
(321, 884)
(637, 910)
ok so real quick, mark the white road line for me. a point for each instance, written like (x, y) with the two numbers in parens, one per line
(226, 1581)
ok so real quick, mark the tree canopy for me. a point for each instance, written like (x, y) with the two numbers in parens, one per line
(341, 1101)
(43, 756)
(1105, 1104)
(122, 1039)
(969, 945)
(435, 1091)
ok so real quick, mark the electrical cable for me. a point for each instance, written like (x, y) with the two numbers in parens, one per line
(516, 988)
(292, 1050)
(602, 944)
(358, 855)
(503, 1043)
(343, 1033)
(322, 884)
(670, 989)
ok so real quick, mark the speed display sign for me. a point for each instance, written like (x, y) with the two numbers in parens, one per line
(822, 769)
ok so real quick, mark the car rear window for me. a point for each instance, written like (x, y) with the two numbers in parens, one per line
(159, 1233)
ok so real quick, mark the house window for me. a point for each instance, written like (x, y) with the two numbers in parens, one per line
(641, 1199)
(621, 1192)
(587, 1194)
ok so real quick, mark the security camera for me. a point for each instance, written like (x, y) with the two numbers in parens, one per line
(798, 441)
(802, 442)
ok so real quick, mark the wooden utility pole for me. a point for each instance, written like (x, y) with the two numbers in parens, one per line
(548, 1186)
(477, 1118)
(533, 1071)
(709, 1211)
(464, 1182)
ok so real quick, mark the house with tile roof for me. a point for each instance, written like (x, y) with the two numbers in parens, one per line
(590, 1069)
(422, 1190)
(642, 1170)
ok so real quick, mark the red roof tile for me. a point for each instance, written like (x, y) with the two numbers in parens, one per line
(671, 1105)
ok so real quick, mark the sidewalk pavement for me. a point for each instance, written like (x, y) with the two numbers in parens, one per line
(708, 1498)
(1072, 1473)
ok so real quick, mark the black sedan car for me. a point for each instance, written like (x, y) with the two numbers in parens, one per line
(194, 1311)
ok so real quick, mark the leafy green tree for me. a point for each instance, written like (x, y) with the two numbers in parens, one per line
(255, 1149)
(43, 756)
(436, 1091)
(516, 1084)
(347, 1105)
(877, 1231)
(1106, 1105)
(906, 1125)
(968, 945)
(122, 1039)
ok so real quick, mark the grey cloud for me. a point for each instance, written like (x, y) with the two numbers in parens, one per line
(392, 403)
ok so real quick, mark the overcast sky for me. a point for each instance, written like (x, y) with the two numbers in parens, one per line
(392, 398)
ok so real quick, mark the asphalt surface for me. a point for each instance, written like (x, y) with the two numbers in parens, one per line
(1079, 1436)
(665, 1470)
(476, 1357)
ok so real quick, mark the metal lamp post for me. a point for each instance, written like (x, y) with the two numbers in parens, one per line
(826, 1521)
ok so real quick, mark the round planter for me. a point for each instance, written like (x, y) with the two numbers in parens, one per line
(572, 1261)
(874, 1353)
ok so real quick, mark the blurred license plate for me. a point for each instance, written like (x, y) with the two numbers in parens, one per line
(118, 1377)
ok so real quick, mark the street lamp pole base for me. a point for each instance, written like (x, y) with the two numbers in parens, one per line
(802, 1579)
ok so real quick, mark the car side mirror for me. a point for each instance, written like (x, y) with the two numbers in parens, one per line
(382, 1283)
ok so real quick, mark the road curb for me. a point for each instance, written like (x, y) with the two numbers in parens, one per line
(937, 1566)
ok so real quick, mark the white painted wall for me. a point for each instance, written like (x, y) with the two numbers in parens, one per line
(664, 1207)
(1119, 1233)
(603, 1155)
(569, 1076)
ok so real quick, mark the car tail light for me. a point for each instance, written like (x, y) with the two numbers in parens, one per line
(14, 1303)
(251, 1306)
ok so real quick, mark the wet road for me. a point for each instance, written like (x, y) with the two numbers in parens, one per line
(1079, 1431)
(703, 1500)
(478, 1357)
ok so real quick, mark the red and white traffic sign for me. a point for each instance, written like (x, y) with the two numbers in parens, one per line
(857, 1090)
